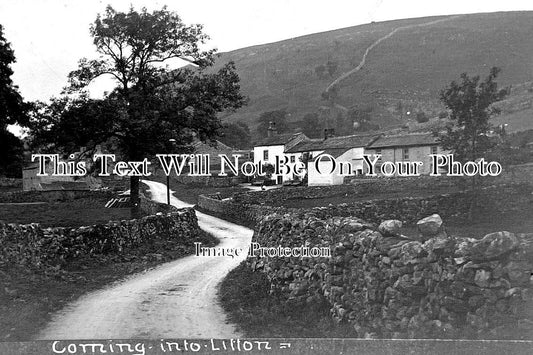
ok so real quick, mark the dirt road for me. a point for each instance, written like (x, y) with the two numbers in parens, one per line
(174, 300)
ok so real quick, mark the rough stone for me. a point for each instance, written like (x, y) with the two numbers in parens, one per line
(493, 245)
(482, 278)
(430, 226)
(390, 227)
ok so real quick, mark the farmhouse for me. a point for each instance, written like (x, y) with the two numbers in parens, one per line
(345, 149)
(274, 146)
(405, 148)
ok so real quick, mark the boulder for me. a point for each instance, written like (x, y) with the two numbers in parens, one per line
(430, 226)
(493, 245)
(352, 226)
(390, 227)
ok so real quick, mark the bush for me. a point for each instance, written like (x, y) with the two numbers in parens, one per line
(421, 117)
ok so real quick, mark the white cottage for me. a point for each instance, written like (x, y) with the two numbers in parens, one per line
(346, 149)
(274, 146)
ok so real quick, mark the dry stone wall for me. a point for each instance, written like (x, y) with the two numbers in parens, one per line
(33, 246)
(51, 196)
(355, 187)
(211, 181)
(245, 214)
(386, 285)
(244, 208)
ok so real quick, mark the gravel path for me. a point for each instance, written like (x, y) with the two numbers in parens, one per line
(175, 300)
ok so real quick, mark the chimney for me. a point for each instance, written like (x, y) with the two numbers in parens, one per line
(272, 129)
(328, 133)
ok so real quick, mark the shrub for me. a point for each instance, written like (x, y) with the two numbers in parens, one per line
(421, 117)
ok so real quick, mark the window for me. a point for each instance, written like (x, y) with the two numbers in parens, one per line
(293, 159)
(265, 154)
(405, 153)
(378, 151)
(434, 150)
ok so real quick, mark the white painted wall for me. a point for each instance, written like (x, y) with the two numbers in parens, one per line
(291, 175)
(273, 151)
(353, 156)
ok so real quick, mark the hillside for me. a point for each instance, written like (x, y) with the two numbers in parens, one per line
(407, 63)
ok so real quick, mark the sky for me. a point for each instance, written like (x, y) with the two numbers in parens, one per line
(50, 36)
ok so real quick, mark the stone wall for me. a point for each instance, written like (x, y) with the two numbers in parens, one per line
(33, 246)
(362, 187)
(357, 187)
(211, 181)
(407, 209)
(402, 183)
(51, 196)
(150, 207)
(11, 182)
(388, 286)
(243, 214)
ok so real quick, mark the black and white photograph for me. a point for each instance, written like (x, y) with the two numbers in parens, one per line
(266, 177)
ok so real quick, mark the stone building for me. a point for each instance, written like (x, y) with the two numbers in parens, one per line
(320, 153)
(407, 147)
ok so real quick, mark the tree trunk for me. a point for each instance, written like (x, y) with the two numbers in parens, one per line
(134, 197)
(473, 200)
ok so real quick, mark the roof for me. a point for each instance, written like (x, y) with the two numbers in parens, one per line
(404, 140)
(334, 143)
(334, 152)
(214, 148)
(305, 146)
(278, 139)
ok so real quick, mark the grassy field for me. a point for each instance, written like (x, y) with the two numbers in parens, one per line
(350, 197)
(77, 212)
(29, 298)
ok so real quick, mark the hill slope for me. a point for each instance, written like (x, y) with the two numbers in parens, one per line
(407, 63)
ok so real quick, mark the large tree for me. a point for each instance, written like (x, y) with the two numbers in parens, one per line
(12, 111)
(236, 135)
(151, 103)
(471, 105)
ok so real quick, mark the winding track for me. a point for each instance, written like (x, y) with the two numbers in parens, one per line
(390, 34)
(174, 300)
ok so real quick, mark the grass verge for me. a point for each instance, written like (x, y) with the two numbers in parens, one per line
(246, 298)
(28, 298)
